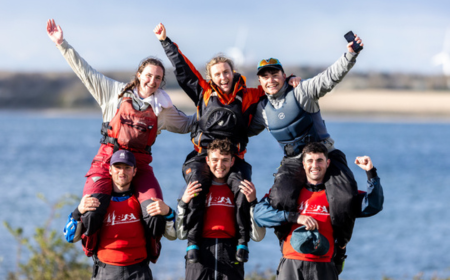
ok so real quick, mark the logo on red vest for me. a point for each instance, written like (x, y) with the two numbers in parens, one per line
(306, 208)
(113, 219)
(219, 201)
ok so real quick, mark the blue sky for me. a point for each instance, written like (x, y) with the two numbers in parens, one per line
(400, 35)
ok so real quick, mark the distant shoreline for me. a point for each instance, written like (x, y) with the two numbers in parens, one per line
(339, 105)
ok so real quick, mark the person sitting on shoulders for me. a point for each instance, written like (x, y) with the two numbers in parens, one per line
(310, 246)
(219, 226)
(133, 115)
(225, 107)
(293, 117)
(124, 247)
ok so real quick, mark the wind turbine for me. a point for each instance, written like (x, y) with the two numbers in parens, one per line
(443, 58)
(236, 53)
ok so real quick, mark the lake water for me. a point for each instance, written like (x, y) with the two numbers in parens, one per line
(50, 155)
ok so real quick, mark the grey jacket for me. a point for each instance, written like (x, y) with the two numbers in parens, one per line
(106, 90)
(307, 94)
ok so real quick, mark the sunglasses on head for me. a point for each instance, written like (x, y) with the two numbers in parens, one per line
(270, 61)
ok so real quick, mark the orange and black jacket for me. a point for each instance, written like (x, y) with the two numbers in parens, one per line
(219, 115)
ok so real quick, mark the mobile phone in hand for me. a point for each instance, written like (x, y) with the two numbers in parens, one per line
(350, 37)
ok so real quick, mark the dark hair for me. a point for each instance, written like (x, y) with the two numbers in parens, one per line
(224, 146)
(144, 63)
(271, 71)
(315, 148)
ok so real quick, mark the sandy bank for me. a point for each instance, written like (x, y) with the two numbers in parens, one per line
(380, 104)
(363, 105)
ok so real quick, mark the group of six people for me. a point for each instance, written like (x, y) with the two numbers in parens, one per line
(312, 204)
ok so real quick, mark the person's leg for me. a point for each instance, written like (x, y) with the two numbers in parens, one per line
(227, 267)
(98, 184)
(145, 187)
(319, 271)
(102, 271)
(196, 169)
(100, 187)
(140, 271)
(290, 269)
(339, 257)
(241, 170)
(204, 269)
(342, 195)
(288, 182)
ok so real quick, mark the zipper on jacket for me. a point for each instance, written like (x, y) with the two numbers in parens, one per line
(215, 256)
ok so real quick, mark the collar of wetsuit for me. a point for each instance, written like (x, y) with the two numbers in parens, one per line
(315, 188)
(122, 194)
(280, 93)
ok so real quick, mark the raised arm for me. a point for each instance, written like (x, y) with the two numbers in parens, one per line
(102, 88)
(54, 32)
(372, 200)
(189, 79)
(309, 91)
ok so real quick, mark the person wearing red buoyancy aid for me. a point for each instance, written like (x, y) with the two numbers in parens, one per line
(133, 115)
(225, 107)
(124, 249)
(218, 247)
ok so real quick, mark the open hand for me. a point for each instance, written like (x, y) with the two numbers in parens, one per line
(54, 32)
(248, 189)
(191, 191)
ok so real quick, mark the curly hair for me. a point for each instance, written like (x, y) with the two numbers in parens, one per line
(224, 146)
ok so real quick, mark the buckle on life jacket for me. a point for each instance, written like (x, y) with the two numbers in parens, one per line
(113, 142)
(295, 147)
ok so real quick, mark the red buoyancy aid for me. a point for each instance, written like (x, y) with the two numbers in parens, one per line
(122, 239)
(219, 219)
(314, 204)
(131, 129)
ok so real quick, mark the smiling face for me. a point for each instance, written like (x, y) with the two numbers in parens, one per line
(149, 80)
(272, 80)
(315, 165)
(222, 75)
(122, 175)
(219, 165)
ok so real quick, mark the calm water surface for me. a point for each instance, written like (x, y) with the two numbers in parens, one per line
(51, 156)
